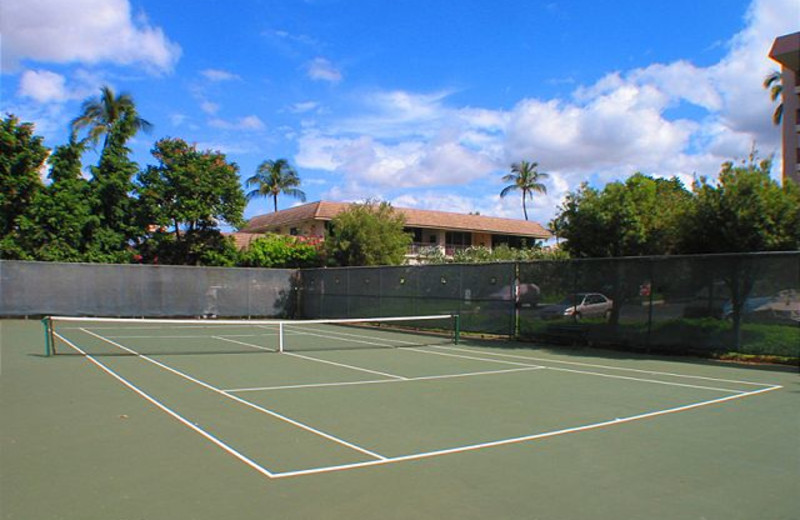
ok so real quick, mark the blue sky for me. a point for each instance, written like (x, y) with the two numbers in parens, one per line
(421, 103)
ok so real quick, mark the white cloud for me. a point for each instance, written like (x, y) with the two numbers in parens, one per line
(303, 107)
(209, 107)
(217, 75)
(321, 69)
(86, 31)
(415, 146)
(247, 123)
(43, 86)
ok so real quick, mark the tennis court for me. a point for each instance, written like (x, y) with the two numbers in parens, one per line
(320, 419)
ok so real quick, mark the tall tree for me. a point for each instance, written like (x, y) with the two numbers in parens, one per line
(744, 211)
(112, 229)
(61, 213)
(527, 179)
(273, 178)
(191, 192)
(22, 156)
(773, 83)
(100, 115)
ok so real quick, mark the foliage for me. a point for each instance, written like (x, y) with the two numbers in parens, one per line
(526, 179)
(501, 253)
(273, 178)
(200, 247)
(22, 155)
(637, 217)
(191, 192)
(60, 214)
(106, 114)
(111, 232)
(745, 211)
(371, 233)
(773, 83)
(281, 251)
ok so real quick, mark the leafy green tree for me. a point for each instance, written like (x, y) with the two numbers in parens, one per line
(22, 156)
(281, 251)
(525, 178)
(273, 178)
(112, 230)
(745, 211)
(60, 214)
(189, 192)
(101, 115)
(772, 82)
(634, 218)
(371, 233)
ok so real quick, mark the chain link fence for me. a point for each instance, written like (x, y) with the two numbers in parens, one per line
(744, 303)
(483, 295)
(714, 304)
(71, 289)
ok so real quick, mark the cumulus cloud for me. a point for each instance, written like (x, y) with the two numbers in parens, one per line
(43, 86)
(627, 121)
(321, 69)
(85, 31)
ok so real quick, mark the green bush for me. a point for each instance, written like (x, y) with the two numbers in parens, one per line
(281, 251)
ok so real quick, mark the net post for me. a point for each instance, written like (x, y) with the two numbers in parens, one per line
(280, 337)
(456, 328)
(47, 323)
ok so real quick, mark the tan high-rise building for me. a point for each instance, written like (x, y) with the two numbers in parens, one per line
(786, 51)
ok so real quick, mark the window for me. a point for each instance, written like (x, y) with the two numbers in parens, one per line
(458, 238)
(416, 234)
(512, 241)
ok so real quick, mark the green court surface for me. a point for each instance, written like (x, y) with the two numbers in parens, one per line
(211, 424)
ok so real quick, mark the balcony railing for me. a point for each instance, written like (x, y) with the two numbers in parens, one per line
(420, 248)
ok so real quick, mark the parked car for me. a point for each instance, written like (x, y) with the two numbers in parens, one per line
(783, 306)
(578, 306)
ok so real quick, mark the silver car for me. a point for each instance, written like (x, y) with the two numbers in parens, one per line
(580, 305)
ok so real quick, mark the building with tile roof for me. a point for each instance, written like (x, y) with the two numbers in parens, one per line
(443, 230)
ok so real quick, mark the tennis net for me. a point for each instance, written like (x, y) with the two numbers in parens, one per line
(131, 336)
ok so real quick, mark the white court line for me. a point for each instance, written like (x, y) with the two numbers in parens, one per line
(434, 352)
(222, 338)
(516, 440)
(333, 337)
(608, 367)
(600, 374)
(141, 393)
(242, 401)
(380, 460)
(343, 365)
(380, 381)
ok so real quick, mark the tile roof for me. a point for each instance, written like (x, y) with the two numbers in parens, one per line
(420, 218)
(243, 240)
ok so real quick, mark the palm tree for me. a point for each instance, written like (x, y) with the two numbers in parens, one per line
(273, 178)
(101, 115)
(772, 82)
(526, 179)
